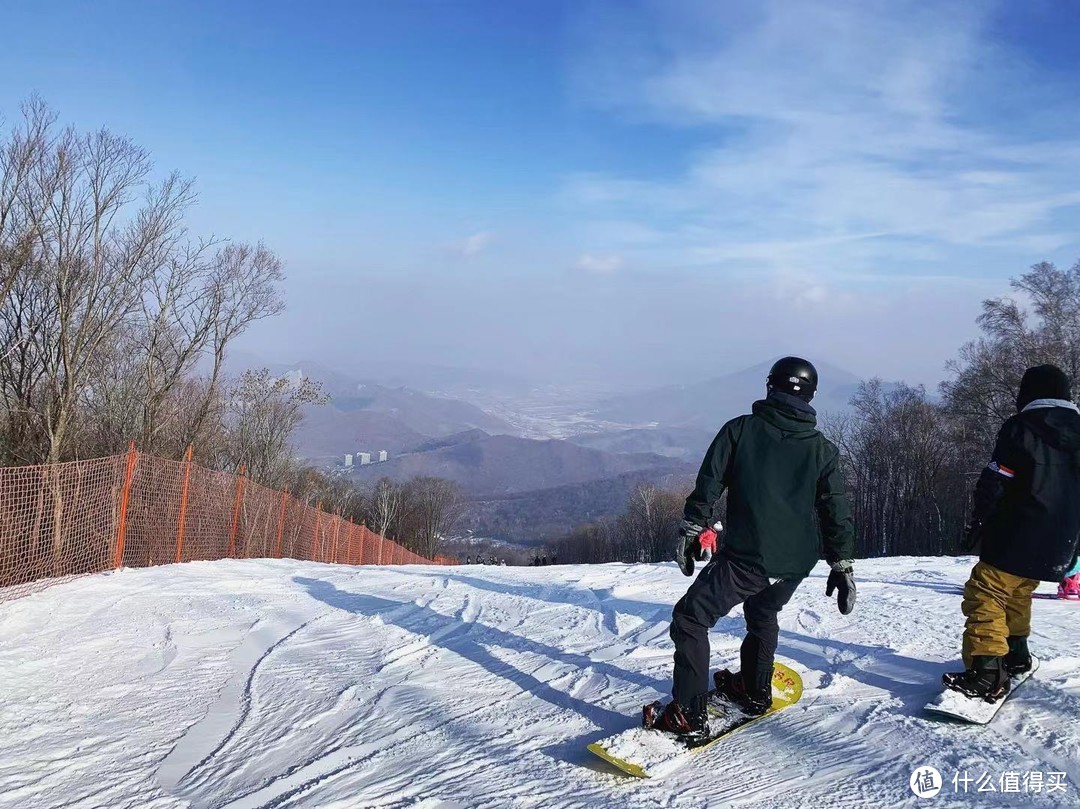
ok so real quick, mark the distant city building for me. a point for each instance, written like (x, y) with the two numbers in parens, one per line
(365, 458)
(348, 460)
(383, 455)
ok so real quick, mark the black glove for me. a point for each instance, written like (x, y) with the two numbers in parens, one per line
(686, 546)
(841, 581)
(972, 535)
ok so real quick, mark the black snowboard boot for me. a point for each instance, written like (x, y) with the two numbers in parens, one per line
(1018, 660)
(986, 679)
(731, 687)
(674, 718)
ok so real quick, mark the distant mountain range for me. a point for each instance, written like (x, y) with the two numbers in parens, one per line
(495, 465)
(707, 405)
(537, 516)
(525, 489)
(368, 416)
(678, 443)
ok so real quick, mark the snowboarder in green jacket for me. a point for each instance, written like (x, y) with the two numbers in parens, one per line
(778, 471)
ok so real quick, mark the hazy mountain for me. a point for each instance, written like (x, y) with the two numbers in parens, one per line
(550, 513)
(430, 378)
(680, 443)
(367, 416)
(425, 377)
(327, 433)
(428, 415)
(488, 465)
(707, 405)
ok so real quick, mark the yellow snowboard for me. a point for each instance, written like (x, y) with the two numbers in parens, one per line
(649, 753)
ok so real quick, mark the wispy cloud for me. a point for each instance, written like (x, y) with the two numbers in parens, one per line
(838, 138)
(475, 244)
(605, 264)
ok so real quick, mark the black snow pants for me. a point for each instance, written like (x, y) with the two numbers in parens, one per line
(722, 585)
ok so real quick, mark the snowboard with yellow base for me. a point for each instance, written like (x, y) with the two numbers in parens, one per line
(650, 753)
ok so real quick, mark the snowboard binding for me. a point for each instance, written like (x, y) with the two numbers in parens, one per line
(673, 718)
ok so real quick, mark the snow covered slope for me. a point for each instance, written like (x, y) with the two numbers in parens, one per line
(287, 684)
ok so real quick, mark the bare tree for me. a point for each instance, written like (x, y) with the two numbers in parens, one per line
(92, 258)
(650, 523)
(986, 376)
(905, 476)
(176, 327)
(262, 412)
(432, 508)
(244, 289)
(19, 208)
(384, 506)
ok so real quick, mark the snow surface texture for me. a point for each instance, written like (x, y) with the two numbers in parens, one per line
(244, 684)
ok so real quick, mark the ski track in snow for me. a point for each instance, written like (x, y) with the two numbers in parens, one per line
(259, 684)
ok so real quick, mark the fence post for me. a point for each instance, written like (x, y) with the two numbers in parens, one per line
(378, 553)
(363, 536)
(315, 533)
(281, 522)
(337, 532)
(183, 505)
(236, 511)
(125, 495)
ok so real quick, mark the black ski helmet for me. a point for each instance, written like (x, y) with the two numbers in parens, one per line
(794, 375)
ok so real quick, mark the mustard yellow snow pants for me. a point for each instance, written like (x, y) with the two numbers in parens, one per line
(997, 605)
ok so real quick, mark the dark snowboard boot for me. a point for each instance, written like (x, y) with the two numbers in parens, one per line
(1018, 660)
(986, 679)
(731, 687)
(677, 719)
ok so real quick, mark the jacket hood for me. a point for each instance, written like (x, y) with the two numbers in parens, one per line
(1057, 422)
(786, 412)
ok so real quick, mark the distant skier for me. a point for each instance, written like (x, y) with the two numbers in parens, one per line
(1027, 517)
(778, 471)
(468, 560)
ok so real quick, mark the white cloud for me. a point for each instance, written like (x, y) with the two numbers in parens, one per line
(475, 244)
(600, 264)
(845, 138)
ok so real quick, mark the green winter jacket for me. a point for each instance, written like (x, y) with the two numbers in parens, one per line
(778, 470)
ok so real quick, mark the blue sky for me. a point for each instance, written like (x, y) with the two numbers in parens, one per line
(634, 191)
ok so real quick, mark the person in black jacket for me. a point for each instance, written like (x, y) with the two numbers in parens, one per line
(1027, 516)
(778, 471)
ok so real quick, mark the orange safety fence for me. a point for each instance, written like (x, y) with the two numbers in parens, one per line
(134, 510)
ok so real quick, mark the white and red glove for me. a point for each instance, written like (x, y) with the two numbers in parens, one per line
(695, 543)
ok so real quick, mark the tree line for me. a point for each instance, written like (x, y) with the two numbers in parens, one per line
(644, 532)
(417, 514)
(910, 460)
(115, 320)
